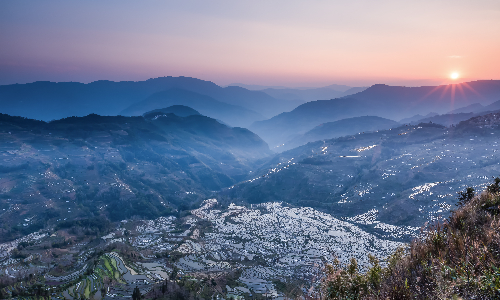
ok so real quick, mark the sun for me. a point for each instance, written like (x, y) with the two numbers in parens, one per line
(454, 75)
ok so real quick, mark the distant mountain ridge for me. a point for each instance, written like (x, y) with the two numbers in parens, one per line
(206, 105)
(54, 100)
(438, 99)
(392, 102)
(285, 126)
(467, 109)
(305, 95)
(477, 108)
(301, 95)
(256, 87)
(340, 128)
(178, 110)
(458, 115)
(417, 118)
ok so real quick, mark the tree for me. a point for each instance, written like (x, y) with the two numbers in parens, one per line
(464, 197)
(174, 273)
(353, 267)
(136, 294)
(374, 273)
(494, 188)
(164, 288)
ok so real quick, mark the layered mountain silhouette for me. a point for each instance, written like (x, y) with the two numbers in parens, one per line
(393, 102)
(477, 108)
(302, 95)
(340, 128)
(54, 100)
(422, 100)
(306, 95)
(456, 116)
(257, 101)
(417, 118)
(286, 126)
(451, 119)
(124, 166)
(230, 114)
(178, 110)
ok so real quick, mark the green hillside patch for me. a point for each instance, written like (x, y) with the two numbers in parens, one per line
(107, 264)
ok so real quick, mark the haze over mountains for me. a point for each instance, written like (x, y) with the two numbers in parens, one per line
(305, 94)
(160, 162)
(403, 176)
(340, 128)
(241, 107)
(179, 177)
(169, 130)
(390, 102)
(231, 114)
(50, 100)
(87, 166)
(277, 115)
(178, 110)
(455, 116)
(169, 135)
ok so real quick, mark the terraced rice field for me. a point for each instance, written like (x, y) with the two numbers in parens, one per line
(111, 265)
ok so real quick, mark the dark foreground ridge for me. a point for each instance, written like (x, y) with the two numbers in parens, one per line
(457, 258)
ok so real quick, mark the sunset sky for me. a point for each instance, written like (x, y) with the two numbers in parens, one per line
(289, 43)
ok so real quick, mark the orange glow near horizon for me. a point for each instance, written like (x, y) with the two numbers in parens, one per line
(285, 43)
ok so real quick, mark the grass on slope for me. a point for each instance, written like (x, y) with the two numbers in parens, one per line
(456, 259)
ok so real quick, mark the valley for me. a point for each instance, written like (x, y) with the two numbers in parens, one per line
(404, 176)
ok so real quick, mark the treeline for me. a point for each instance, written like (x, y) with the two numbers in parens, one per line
(458, 258)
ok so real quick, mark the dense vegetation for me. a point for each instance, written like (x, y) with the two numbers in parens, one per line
(456, 258)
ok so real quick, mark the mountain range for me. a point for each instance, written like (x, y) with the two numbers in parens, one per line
(54, 100)
(306, 95)
(230, 114)
(393, 102)
(174, 189)
(80, 167)
(340, 128)
(455, 116)
(403, 176)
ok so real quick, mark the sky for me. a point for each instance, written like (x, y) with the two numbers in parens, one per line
(286, 43)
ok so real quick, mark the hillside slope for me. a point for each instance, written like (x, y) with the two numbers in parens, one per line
(457, 258)
(340, 128)
(400, 177)
(116, 166)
